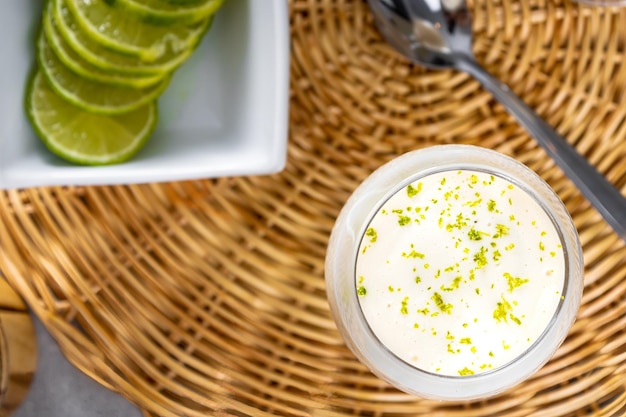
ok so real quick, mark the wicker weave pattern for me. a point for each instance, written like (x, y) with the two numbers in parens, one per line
(207, 297)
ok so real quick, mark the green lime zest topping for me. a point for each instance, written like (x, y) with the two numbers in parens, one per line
(474, 234)
(405, 306)
(413, 254)
(404, 220)
(480, 257)
(466, 372)
(361, 291)
(501, 230)
(372, 234)
(456, 282)
(502, 311)
(446, 308)
(514, 282)
(413, 191)
(466, 341)
(460, 223)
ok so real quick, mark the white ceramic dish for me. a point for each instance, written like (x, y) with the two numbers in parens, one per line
(224, 113)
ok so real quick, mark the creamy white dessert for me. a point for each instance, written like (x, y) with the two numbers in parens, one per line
(460, 272)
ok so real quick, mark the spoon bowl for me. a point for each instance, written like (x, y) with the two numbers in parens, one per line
(430, 33)
(438, 34)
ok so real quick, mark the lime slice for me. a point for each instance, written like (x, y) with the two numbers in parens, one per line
(104, 59)
(161, 13)
(89, 95)
(82, 137)
(80, 66)
(117, 31)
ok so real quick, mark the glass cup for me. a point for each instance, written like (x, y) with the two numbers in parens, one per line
(392, 335)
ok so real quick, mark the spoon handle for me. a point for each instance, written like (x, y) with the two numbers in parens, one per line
(605, 197)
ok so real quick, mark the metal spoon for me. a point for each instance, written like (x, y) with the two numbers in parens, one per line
(438, 34)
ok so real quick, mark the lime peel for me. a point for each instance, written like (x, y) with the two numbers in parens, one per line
(82, 67)
(103, 58)
(82, 137)
(119, 32)
(90, 95)
(158, 12)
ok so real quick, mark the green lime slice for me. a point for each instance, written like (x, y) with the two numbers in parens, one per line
(82, 137)
(161, 13)
(104, 59)
(116, 30)
(83, 68)
(89, 95)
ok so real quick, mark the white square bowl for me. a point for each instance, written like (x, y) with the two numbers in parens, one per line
(225, 113)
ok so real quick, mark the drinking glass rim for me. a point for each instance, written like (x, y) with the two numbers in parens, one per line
(350, 227)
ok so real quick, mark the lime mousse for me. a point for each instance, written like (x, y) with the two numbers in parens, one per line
(460, 272)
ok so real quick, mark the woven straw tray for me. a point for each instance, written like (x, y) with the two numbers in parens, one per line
(207, 297)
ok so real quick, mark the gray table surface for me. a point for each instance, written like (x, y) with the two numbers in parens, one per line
(61, 390)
